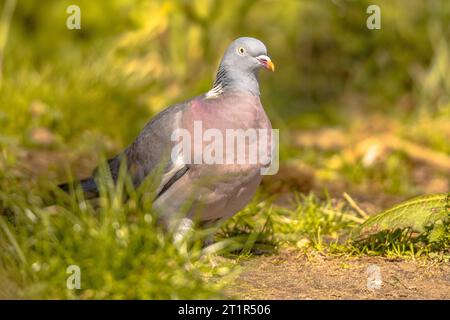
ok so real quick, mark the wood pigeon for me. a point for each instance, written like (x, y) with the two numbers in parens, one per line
(194, 189)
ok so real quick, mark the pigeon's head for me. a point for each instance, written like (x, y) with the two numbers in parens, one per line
(239, 67)
(248, 55)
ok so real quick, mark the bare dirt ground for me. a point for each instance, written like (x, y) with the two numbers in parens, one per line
(291, 274)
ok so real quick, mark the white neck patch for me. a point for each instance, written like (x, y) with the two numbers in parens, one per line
(216, 91)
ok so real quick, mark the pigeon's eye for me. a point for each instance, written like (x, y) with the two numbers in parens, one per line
(241, 51)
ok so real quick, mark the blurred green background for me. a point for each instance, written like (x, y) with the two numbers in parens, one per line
(362, 111)
(101, 84)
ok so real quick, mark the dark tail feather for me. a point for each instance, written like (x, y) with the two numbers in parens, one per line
(88, 185)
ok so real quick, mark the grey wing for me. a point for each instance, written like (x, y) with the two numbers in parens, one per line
(150, 153)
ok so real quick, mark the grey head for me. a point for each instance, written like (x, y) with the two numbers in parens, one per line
(240, 66)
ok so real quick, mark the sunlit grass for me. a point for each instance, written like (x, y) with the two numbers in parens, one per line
(118, 245)
(90, 92)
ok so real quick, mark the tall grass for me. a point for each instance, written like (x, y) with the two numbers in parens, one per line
(117, 243)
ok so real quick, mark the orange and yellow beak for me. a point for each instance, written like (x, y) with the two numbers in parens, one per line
(266, 62)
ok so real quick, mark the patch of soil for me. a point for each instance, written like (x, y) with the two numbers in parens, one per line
(295, 275)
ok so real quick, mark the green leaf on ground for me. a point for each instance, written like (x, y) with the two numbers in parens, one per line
(416, 214)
